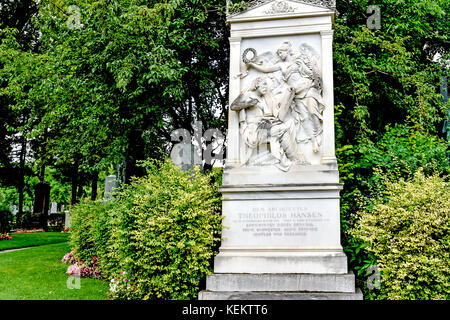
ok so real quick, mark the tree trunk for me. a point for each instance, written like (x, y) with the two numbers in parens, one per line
(80, 185)
(73, 199)
(42, 177)
(94, 186)
(21, 184)
(135, 152)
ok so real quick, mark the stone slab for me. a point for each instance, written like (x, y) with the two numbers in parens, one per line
(270, 175)
(236, 295)
(281, 282)
(280, 261)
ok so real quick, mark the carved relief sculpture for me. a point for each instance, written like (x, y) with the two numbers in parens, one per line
(263, 121)
(296, 104)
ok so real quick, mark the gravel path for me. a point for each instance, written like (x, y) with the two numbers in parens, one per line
(12, 250)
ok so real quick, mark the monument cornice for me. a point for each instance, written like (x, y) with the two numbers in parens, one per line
(281, 6)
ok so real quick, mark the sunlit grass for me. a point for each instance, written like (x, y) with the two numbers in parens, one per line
(38, 274)
(22, 240)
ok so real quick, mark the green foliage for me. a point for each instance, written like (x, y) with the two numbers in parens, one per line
(401, 152)
(397, 154)
(407, 230)
(364, 168)
(388, 75)
(89, 230)
(111, 89)
(59, 187)
(24, 220)
(164, 230)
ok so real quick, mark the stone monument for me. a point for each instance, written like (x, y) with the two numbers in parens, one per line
(281, 181)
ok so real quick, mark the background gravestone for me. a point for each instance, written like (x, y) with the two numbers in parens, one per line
(54, 207)
(110, 186)
(41, 205)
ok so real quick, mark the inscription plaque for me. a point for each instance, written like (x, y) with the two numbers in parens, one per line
(299, 223)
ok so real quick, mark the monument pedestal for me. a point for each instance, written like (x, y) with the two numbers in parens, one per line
(281, 242)
(281, 228)
(278, 286)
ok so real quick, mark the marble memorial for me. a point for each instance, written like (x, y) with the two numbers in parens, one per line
(281, 181)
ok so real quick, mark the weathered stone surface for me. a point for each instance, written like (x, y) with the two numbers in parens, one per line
(277, 282)
(280, 261)
(234, 295)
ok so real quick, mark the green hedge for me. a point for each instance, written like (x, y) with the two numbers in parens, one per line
(407, 231)
(89, 228)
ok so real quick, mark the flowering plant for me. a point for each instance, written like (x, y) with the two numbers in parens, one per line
(69, 258)
(29, 231)
(74, 270)
(119, 286)
(5, 236)
(89, 268)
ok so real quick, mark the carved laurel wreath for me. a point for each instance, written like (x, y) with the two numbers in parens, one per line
(280, 7)
(245, 58)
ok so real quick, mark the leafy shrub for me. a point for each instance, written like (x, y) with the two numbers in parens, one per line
(164, 229)
(89, 230)
(407, 230)
(399, 153)
(363, 168)
(56, 221)
(24, 220)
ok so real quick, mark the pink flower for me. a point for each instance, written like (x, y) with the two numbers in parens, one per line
(74, 270)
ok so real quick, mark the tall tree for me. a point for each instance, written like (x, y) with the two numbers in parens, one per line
(129, 74)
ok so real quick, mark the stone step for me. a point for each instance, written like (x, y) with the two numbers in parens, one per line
(241, 295)
(279, 282)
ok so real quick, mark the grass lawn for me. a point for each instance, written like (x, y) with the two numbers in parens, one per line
(21, 240)
(38, 274)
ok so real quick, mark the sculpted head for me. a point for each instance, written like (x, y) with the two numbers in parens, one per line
(260, 85)
(284, 50)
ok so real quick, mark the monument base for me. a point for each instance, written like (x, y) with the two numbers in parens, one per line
(230, 295)
(280, 261)
(281, 242)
